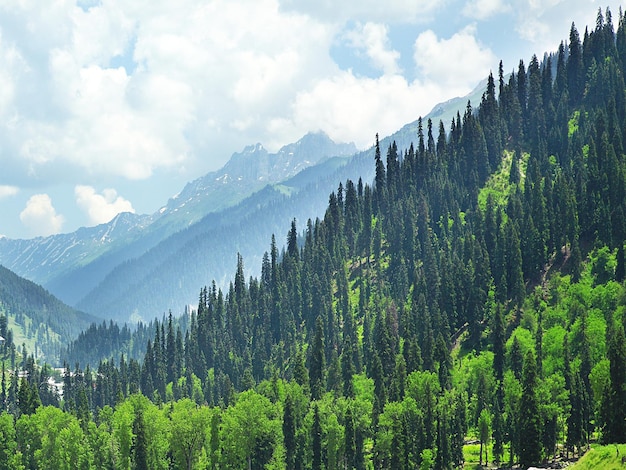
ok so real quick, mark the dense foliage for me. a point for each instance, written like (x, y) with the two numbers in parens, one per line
(110, 341)
(476, 289)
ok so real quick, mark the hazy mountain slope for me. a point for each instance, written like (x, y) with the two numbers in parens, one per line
(170, 275)
(43, 259)
(35, 315)
(70, 265)
(250, 170)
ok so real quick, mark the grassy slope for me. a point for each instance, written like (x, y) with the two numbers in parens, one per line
(602, 457)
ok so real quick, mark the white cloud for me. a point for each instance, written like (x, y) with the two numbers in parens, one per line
(12, 69)
(109, 31)
(533, 30)
(372, 38)
(193, 73)
(402, 11)
(458, 63)
(533, 24)
(483, 9)
(544, 23)
(40, 217)
(349, 108)
(101, 208)
(7, 191)
(107, 92)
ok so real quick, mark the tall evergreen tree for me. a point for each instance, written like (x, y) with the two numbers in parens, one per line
(289, 432)
(317, 362)
(575, 67)
(530, 420)
(317, 439)
(140, 442)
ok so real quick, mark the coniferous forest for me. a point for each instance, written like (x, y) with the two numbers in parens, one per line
(471, 295)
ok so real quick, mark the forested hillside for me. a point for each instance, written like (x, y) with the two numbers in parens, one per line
(37, 319)
(474, 292)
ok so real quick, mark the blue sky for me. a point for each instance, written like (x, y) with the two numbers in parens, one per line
(112, 105)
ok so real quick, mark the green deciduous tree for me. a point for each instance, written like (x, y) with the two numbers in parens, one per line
(8, 443)
(249, 428)
(484, 433)
(189, 424)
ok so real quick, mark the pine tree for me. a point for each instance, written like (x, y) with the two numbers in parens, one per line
(575, 67)
(516, 359)
(3, 392)
(530, 420)
(23, 398)
(171, 352)
(484, 432)
(317, 362)
(498, 340)
(317, 439)
(349, 439)
(292, 241)
(289, 432)
(576, 418)
(347, 368)
(443, 457)
(498, 425)
(140, 443)
(381, 177)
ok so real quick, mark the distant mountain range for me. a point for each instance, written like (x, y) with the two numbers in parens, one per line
(139, 266)
(71, 265)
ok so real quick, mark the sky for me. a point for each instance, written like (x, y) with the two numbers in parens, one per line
(109, 106)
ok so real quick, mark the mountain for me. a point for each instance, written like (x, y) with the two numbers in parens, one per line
(73, 265)
(70, 265)
(167, 276)
(447, 110)
(81, 267)
(38, 319)
(47, 260)
(249, 171)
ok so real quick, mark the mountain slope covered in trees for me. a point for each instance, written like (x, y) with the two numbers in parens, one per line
(474, 290)
(36, 318)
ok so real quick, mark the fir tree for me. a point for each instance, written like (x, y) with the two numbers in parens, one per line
(140, 443)
(530, 422)
(289, 432)
(317, 362)
(317, 439)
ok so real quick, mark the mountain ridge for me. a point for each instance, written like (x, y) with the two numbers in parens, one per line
(73, 265)
(148, 291)
(70, 264)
